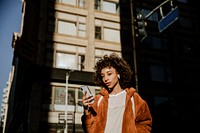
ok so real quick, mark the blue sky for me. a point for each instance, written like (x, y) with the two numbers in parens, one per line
(10, 22)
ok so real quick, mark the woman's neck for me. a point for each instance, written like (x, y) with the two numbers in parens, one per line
(117, 89)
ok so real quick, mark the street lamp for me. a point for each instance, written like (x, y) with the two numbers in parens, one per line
(66, 98)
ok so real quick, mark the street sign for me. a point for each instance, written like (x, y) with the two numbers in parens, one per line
(167, 20)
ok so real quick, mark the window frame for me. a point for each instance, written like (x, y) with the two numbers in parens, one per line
(100, 6)
(80, 28)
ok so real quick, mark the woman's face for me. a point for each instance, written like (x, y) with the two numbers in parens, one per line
(109, 77)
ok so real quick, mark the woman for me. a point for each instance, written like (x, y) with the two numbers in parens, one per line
(118, 108)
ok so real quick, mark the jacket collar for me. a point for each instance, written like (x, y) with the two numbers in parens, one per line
(130, 92)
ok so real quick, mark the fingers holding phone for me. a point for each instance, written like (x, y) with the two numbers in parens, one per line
(88, 97)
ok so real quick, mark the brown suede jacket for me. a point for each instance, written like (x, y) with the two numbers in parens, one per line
(141, 122)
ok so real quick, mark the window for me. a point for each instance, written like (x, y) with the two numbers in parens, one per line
(107, 31)
(80, 3)
(68, 28)
(160, 73)
(111, 35)
(156, 42)
(55, 99)
(107, 6)
(64, 60)
(79, 101)
(157, 73)
(81, 60)
(98, 32)
(68, 56)
(59, 98)
(81, 30)
(110, 7)
(97, 5)
(71, 28)
(70, 61)
(71, 2)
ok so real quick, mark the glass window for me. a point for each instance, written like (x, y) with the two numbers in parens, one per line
(68, 28)
(59, 96)
(70, 61)
(80, 3)
(97, 32)
(71, 28)
(157, 73)
(107, 31)
(160, 73)
(79, 102)
(81, 61)
(54, 98)
(71, 2)
(71, 97)
(74, 98)
(97, 5)
(110, 7)
(64, 60)
(82, 30)
(111, 35)
(156, 42)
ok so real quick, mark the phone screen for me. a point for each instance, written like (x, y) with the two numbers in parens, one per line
(86, 89)
(89, 93)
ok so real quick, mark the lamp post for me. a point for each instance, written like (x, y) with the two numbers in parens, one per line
(134, 45)
(66, 98)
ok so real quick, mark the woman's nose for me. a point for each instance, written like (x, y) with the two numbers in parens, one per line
(105, 78)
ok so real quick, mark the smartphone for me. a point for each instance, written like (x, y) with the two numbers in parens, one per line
(84, 89)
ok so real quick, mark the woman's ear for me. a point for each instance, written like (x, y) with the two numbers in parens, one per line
(118, 76)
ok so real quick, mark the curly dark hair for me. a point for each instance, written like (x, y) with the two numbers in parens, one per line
(121, 66)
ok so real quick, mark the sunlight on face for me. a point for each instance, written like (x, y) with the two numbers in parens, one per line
(109, 76)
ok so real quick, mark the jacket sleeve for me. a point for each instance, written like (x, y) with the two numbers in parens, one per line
(143, 120)
(86, 123)
(88, 120)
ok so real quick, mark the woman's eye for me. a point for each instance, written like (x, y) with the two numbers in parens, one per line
(109, 74)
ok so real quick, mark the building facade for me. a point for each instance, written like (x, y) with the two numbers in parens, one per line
(168, 65)
(60, 41)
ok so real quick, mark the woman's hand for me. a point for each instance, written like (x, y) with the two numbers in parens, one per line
(87, 102)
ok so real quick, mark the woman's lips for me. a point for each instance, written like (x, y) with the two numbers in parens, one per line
(108, 84)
